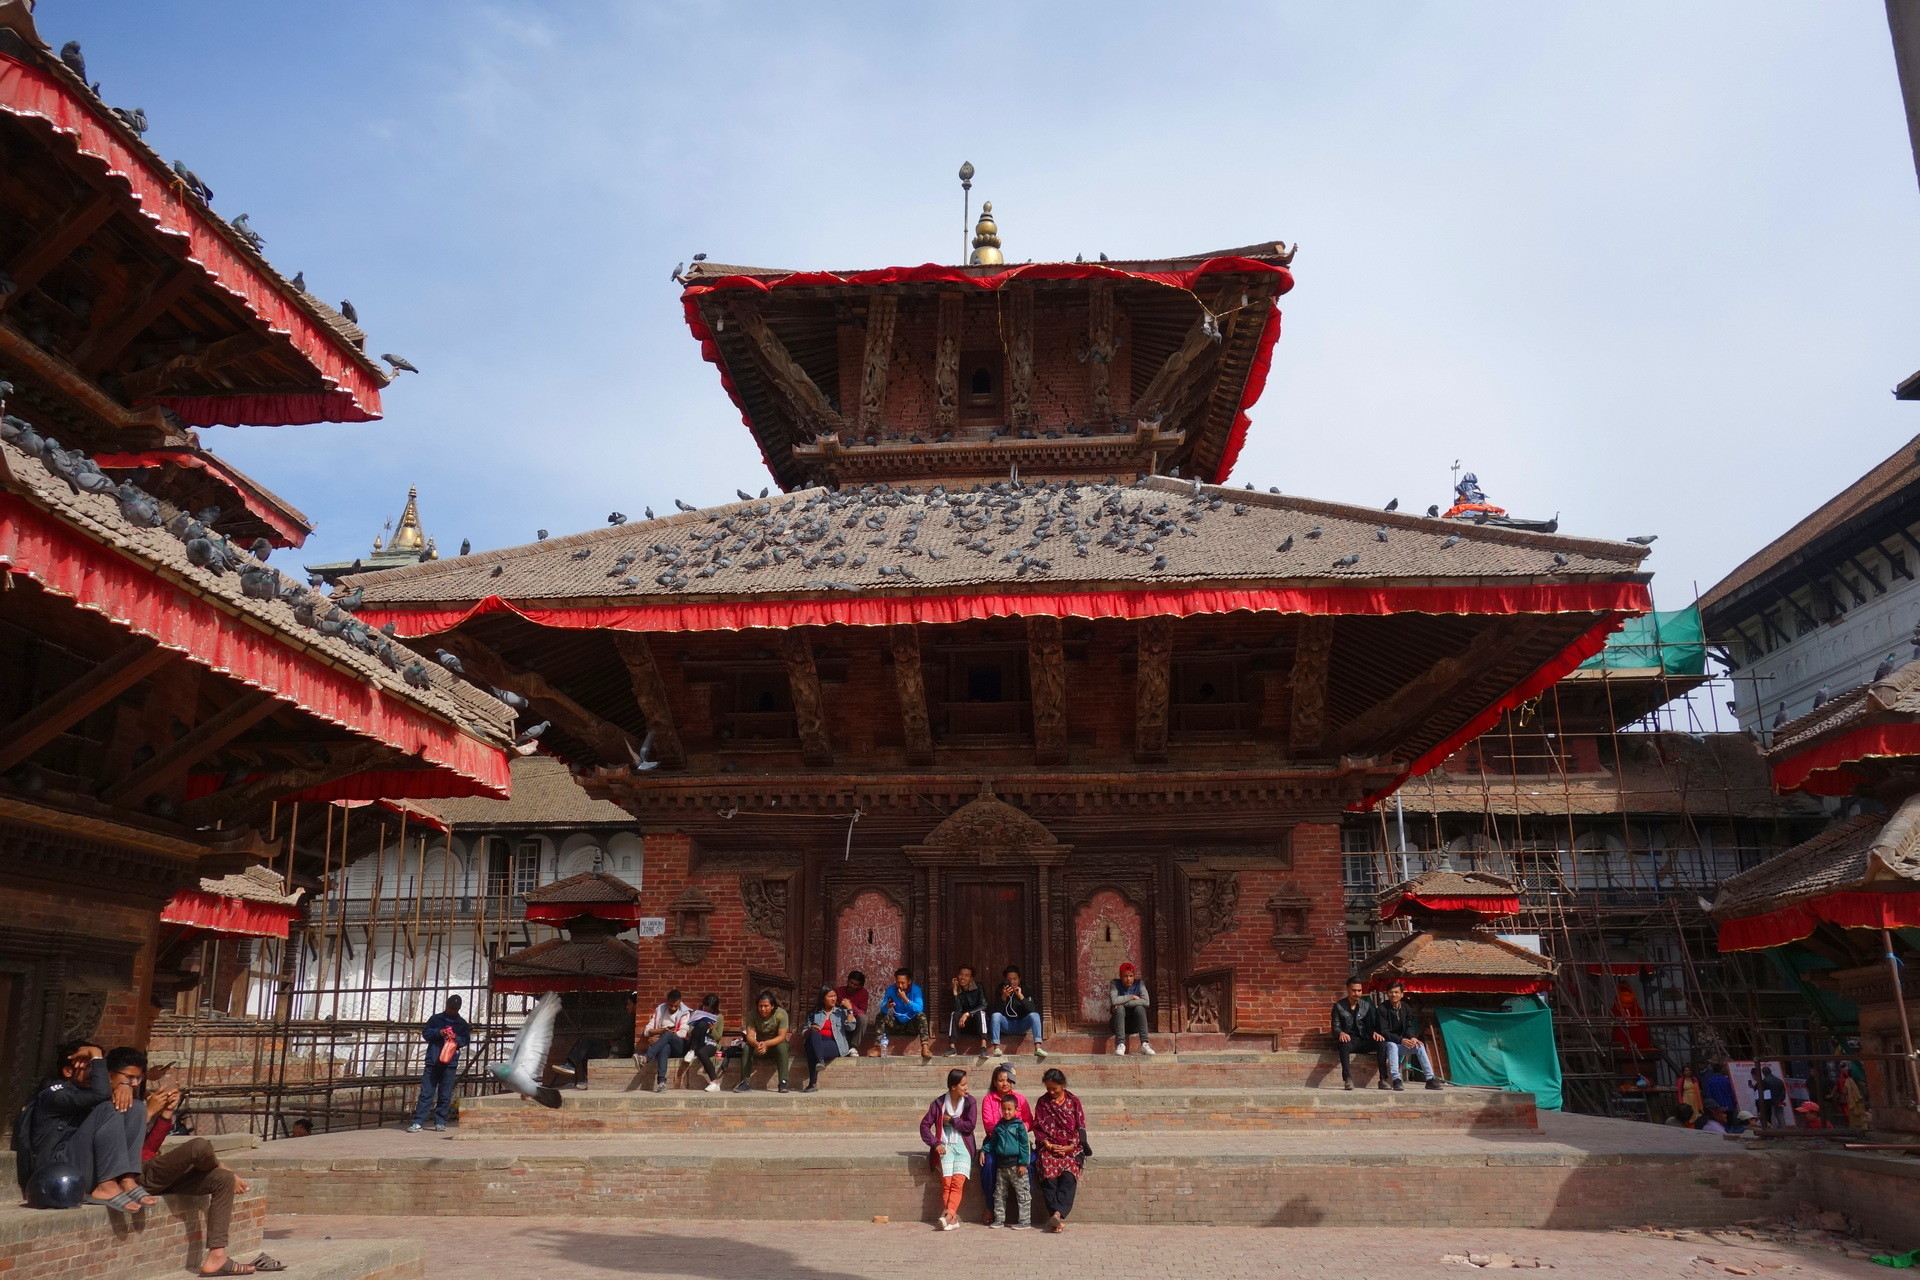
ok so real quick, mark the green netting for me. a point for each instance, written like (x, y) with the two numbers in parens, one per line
(1797, 964)
(1674, 642)
(1504, 1051)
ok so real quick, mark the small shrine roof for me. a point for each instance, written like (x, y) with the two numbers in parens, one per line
(1266, 252)
(1461, 954)
(1445, 882)
(1870, 851)
(255, 884)
(601, 960)
(1030, 537)
(588, 886)
(544, 795)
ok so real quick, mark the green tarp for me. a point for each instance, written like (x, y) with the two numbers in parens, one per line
(1674, 642)
(1503, 1051)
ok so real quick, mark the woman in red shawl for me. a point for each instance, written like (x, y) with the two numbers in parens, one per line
(1060, 1127)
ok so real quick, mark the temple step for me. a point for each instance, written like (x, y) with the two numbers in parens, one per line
(897, 1110)
(1194, 1070)
(63, 1244)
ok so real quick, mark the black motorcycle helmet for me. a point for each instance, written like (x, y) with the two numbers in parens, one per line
(56, 1186)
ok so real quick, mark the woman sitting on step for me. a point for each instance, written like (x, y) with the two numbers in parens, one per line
(830, 1030)
(704, 1029)
(1060, 1125)
(947, 1129)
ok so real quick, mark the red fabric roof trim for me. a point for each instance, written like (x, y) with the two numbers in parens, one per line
(133, 596)
(561, 912)
(934, 273)
(288, 533)
(28, 91)
(1432, 984)
(294, 409)
(1489, 907)
(1850, 909)
(375, 786)
(1570, 657)
(216, 914)
(540, 986)
(1802, 771)
(880, 611)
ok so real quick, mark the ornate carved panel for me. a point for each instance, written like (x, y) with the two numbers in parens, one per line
(1152, 671)
(946, 362)
(910, 685)
(809, 712)
(1292, 938)
(1047, 674)
(1019, 331)
(877, 356)
(1099, 353)
(688, 939)
(1212, 906)
(987, 831)
(766, 901)
(1309, 713)
(1209, 1002)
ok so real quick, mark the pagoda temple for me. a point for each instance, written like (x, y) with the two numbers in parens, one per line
(406, 543)
(1005, 673)
(1453, 950)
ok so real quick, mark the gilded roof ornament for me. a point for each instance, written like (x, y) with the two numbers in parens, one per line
(409, 537)
(986, 240)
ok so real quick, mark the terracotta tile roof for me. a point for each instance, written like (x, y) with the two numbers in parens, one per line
(567, 958)
(1898, 472)
(1445, 882)
(544, 795)
(1266, 251)
(1869, 849)
(1892, 698)
(1010, 535)
(98, 516)
(588, 886)
(1462, 953)
(255, 884)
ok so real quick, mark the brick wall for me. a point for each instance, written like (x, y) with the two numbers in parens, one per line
(43, 1244)
(128, 1014)
(1880, 1192)
(734, 947)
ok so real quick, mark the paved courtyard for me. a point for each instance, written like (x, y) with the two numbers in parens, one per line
(593, 1248)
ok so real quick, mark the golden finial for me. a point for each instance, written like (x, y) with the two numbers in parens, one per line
(408, 536)
(986, 240)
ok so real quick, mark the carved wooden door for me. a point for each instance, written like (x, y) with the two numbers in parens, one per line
(987, 928)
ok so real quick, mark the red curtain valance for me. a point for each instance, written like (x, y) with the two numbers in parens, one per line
(132, 595)
(1439, 984)
(880, 611)
(1488, 907)
(561, 912)
(216, 913)
(289, 534)
(30, 92)
(1820, 770)
(540, 986)
(934, 273)
(1850, 909)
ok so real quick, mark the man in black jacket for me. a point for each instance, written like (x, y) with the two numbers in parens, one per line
(1353, 1031)
(1397, 1028)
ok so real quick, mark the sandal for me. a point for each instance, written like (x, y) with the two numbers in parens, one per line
(267, 1263)
(230, 1268)
(125, 1202)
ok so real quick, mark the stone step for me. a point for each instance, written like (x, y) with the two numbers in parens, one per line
(1579, 1172)
(340, 1260)
(899, 1110)
(67, 1244)
(1237, 1069)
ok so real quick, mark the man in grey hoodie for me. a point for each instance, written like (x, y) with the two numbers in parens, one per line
(1128, 996)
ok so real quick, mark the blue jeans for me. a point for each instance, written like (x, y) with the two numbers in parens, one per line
(436, 1091)
(1029, 1025)
(1396, 1051)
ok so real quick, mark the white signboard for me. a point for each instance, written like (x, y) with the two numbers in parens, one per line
(653, 926)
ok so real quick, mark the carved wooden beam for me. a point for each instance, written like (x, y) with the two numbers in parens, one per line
(1423, 695)
(1019, 342)
(1047, 676)
(1167, 380)
(809, 710)
(608, 740)
(808, 401)
(52, 247)
(99, 349)
(344, 761)
(875, 360)
(650, 695)
(1153, 671)
(910, 684)
(205, 738)
(53, 372)
(156, 378)
(1100, 346)
(946, 361)
(80, 698)
(1307, 717)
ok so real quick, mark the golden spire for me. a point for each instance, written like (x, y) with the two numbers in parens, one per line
(408, 536)
(986, 240)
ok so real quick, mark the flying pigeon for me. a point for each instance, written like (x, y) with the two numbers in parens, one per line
(346, 309)
(1392, 506)
(529, 735)
(743, 495)
(683, 506)
(643, 758)
(699, 257)
(400, 364)
(451, 661)
(527, 1064)
(1646, 540)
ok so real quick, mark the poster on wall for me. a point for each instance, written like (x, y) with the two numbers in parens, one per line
(1745, 1099)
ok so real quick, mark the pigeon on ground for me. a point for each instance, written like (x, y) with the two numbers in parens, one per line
(400, 364)
(526, 1065)
(582, 554)
(1314, 532)
(495, 571)
(1346, 562)
(1287, 545)
(1380, 534)
(1646, 540)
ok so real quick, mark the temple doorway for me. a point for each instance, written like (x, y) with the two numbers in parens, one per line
(988, 929)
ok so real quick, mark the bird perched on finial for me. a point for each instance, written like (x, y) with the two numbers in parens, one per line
(526, 1064)
(400, 364)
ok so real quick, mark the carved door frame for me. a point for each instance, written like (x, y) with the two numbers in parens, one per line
(1034, 938)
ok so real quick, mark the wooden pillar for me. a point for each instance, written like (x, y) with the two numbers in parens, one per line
(1047, 677)
(877, 356)
(650, 695)
(1152, 672)
(1313, 647)
(1100, 347)
(809, 712)
(910, 685)
(946, 361)
(1019, 347)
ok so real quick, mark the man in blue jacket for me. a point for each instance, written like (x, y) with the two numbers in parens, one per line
(446, 1034)
(903, 1008)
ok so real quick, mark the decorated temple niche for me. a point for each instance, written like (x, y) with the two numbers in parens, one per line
(871, 937)
(1106, 935)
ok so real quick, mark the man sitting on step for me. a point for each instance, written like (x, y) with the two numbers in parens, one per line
(904, 1009)
(1397, 1028)
(668, 1027)
(1353, 1032)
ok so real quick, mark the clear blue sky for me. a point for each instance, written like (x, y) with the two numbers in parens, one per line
(1650, 265)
